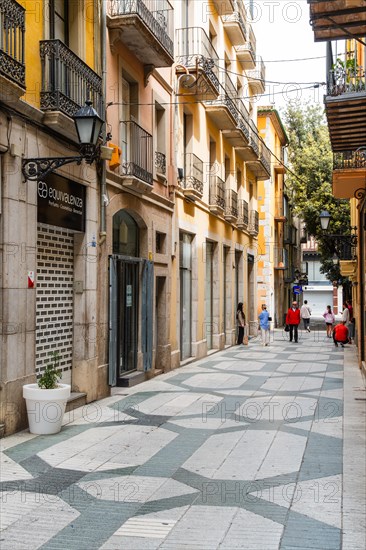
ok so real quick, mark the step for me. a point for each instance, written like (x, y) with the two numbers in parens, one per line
(132, 379)
(76, 399)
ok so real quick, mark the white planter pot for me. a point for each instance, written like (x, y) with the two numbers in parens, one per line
(45, 408)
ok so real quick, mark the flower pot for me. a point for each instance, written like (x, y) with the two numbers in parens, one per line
(45, 408)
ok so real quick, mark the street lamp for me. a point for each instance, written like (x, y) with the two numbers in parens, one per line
(341, 245)
(324, 219)
(88, 126)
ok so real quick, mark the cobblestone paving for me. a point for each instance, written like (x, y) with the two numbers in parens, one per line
(241, 450)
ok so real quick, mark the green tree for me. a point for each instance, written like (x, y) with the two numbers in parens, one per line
(309, 180)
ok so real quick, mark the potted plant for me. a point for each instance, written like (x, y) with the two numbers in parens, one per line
(46, 400)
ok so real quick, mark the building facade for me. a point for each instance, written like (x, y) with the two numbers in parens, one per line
(50, 65)
(343, 26)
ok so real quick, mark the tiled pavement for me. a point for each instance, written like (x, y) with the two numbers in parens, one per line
(246, 449)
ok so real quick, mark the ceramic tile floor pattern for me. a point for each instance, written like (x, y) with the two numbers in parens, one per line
(250, 448)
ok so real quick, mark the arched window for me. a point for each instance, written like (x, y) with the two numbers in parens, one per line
(125, 234)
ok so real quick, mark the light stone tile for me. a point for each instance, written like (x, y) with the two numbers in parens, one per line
(249, 531)
(320, 499)
(216, 381)
(284, 456)
(168, 404)
(15, 439)
(315, 357)
(11, 471)
(29, 524)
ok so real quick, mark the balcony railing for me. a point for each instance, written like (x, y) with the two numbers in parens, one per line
(231, 205)
(289, 234)
(12, 25)
(217, 194)
(253, 225)
(228, 98)
(193, 174)
(160, 162)
(66, 80)
(243, 214)
(347, 75)
(195, 47)
(254, 137)
(289, 274)
(265, 157)
(137, 154)
(243, 120)
(257, 76)
(156, 15)
(235, 24)
(349, 159)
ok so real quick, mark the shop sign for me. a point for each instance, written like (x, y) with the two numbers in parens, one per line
(61, 202)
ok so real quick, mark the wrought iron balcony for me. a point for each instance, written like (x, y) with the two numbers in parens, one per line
(235, 25)
(246, 51)
(289, 234)
(279, 215)
(280, 258)
(160, 163)
(224, 110)
(231, 206)
(337, 20)
(243, 214)
(257, 77)
(216, 195)
(253, 225)
(66, 80)
(137, 157)
(250, 151)
(265, 159)
(350, 159)
(145, 27)
(196, 54)
(349, 173)
(12, 24)
(289, 274)
(345, 102)
(192, 181)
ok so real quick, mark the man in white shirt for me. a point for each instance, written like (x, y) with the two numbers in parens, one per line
(305, 313)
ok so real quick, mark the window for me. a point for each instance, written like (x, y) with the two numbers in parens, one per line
(160, 243)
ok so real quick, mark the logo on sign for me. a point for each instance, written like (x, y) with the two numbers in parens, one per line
(42, 189)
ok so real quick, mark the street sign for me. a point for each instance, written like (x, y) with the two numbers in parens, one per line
(297, 289)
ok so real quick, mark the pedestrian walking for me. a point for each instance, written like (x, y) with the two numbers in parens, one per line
(305, 313)
(240, 321)
(329, 321)
(351, 324)
(293, 321)
(340, 334)
(264, 319)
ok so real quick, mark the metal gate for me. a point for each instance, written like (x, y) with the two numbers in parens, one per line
(131, 282)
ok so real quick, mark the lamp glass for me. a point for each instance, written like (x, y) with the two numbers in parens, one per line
(324, 219)
(335, 259)
(88, 124)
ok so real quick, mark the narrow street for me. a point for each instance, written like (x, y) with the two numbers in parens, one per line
(251, 448)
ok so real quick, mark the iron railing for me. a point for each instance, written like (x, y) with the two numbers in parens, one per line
(289, 234)
(347, 73)
(289, 274)
(194, 46)
(67, 82)
(259, 73)
(253, 224)
(231, 203)
(254, 137)
(156, 14)
(217, 192)
(227, 96)
(350, 159)
(243, 119)
(243, 212)
(160, 162)
(137, 154)
(238, 16)
(193, 173)
(12, 25)
(265, 157)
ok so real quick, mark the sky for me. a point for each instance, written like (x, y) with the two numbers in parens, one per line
(283, 32)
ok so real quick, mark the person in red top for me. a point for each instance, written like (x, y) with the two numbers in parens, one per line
(340, 334)
(293, 321)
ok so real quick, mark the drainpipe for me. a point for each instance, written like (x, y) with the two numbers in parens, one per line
(103, 185)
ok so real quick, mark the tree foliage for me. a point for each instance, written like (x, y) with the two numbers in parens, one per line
(309, 180)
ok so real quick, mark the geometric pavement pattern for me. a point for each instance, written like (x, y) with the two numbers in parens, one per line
(242, 449)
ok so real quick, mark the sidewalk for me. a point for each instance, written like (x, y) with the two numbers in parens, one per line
(253, 448)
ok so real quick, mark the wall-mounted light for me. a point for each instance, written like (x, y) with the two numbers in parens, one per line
(88, 126)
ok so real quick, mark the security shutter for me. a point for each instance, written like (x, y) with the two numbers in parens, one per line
(54, 297)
